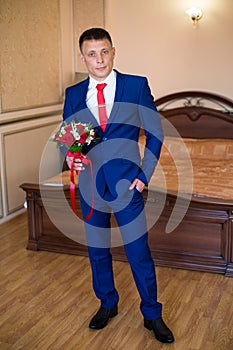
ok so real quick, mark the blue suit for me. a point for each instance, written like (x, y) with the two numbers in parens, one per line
(116, 163)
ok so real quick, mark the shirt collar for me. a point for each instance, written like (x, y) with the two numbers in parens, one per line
(109, 80)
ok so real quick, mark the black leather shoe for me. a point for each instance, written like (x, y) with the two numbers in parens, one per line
(161, 331)
(101, 318)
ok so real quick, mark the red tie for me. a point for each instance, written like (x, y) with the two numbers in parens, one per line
(101, 106)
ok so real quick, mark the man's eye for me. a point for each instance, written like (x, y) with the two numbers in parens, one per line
(105, 52)
(91, 54)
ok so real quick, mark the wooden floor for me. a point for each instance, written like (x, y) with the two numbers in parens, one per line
(47, 301)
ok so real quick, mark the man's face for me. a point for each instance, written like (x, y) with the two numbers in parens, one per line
(98, 56)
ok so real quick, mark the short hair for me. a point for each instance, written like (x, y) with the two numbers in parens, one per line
(94, 34)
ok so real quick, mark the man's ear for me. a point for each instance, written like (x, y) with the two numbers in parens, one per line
(82, 58)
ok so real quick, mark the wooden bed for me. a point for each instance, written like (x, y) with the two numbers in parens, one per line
(193, 181)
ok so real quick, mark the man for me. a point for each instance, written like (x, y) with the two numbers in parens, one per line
(120, 175)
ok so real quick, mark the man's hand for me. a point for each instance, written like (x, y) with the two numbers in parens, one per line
(78, 165)
(138, 184)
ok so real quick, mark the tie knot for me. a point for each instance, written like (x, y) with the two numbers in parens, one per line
(100, 87)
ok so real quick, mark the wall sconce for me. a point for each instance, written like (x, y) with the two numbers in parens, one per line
(195, 14)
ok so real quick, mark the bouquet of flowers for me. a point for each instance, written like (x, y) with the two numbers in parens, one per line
(74, 137)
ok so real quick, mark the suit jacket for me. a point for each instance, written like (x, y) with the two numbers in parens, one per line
(116, 155)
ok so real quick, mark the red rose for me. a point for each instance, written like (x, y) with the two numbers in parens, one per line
(67, 139)
(83, 138)
(80, 128)
(68, 128)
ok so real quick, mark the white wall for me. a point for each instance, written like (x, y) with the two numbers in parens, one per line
(157, 39)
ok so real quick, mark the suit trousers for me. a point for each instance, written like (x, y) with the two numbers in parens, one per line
(130, 216)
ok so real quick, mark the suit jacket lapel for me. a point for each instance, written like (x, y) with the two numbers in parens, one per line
(120, 82)
(81, 98)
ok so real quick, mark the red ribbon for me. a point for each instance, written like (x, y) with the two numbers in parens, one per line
(84, 160)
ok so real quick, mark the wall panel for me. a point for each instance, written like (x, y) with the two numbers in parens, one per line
(24, 145)
(37, 55)
(1, 205)
(87, 14)
(30, 54)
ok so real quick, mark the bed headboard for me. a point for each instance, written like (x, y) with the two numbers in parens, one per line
(197, 114)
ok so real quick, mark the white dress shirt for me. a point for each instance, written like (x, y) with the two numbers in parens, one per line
(109, 94)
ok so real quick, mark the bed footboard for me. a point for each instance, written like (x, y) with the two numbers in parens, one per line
(203, 241)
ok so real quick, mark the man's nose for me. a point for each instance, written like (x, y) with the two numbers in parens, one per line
(99, 58)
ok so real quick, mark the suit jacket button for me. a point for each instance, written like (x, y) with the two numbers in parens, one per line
(104, 139)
